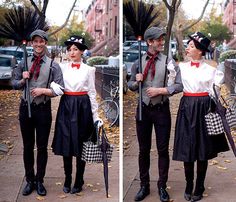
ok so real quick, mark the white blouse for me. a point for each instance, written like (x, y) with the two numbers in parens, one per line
(79, 80)
(200, 79)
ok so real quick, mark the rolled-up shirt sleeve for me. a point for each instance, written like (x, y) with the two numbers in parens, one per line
(17, 77)
(132, 83)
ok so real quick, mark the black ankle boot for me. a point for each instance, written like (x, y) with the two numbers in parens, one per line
(198, 193)
(67, 184)
(188, 191)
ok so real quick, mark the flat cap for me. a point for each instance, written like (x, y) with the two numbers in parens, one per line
(153, 33)
(39, 33)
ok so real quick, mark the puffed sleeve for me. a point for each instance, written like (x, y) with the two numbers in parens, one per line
(92, 93)
(218, 79)
(57, 77)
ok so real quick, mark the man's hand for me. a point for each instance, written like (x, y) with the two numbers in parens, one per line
(153, 92)
(37, 92)
(26, 75)
(139, 77)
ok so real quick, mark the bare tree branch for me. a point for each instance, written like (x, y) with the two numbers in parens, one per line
(178, 4)
(167, 5)
(66, 21)
(199, 18)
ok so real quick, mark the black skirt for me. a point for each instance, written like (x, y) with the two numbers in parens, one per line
(191, 139)
(74, 125)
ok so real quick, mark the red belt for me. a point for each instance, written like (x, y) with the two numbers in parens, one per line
(196, 94)
(76, 93)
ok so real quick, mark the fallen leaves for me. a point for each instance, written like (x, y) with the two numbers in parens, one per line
(9, 105)
(40, 198)
(62, 196)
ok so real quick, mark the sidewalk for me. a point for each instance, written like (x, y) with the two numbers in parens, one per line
(220, 181)
(12, 176)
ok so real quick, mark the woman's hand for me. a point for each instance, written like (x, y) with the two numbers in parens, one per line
(99, 122)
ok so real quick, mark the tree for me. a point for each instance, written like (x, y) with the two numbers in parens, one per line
(42, 13)
(218, 32)
(214, 26)
(172, 8)
(182, 27)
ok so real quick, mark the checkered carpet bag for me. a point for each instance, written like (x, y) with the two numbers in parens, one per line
(231, 117)
(214, 123)
(92, 152)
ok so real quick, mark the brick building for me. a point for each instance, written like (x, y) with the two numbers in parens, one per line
(229, 19)
(102, 22)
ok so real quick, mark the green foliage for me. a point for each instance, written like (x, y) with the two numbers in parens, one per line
(218, 32)
(75, 28)
(97, 60)
(230, 54)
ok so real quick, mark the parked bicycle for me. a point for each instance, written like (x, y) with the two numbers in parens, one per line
(108, 108)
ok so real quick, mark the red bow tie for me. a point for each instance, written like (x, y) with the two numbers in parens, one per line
(75, 65)
(195, 64)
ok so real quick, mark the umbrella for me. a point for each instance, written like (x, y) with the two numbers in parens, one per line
(104, 148)
(222, 111)
(19, 22)
(140, 16)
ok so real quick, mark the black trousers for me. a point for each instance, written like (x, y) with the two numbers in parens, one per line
(159, 117)
(38, 126)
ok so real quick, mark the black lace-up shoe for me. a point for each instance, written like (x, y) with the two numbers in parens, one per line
(41, 189)
(164, 196)
(29, 187)
(142, 193)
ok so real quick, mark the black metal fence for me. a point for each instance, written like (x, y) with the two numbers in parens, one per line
(230, 75)
(104, 75)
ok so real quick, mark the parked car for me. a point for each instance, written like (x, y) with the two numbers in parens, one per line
(174, 48)
(129, 57)
(13, 50)
(135, 46)
(127, 44)
(7, 64)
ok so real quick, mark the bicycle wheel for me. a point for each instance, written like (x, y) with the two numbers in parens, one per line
(109, 110)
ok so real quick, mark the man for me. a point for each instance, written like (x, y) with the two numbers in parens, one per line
(45, 80)
(155, 110)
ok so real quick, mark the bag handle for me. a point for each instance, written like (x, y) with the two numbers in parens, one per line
(104, 134)
(95, 132)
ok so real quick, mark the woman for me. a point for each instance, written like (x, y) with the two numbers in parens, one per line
(77, 112)
(192, 143)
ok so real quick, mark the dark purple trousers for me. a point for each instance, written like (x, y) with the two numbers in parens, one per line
(159, 117)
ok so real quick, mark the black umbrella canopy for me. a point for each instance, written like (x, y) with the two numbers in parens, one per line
(104, 147)
(140, 16)
(19, 22)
